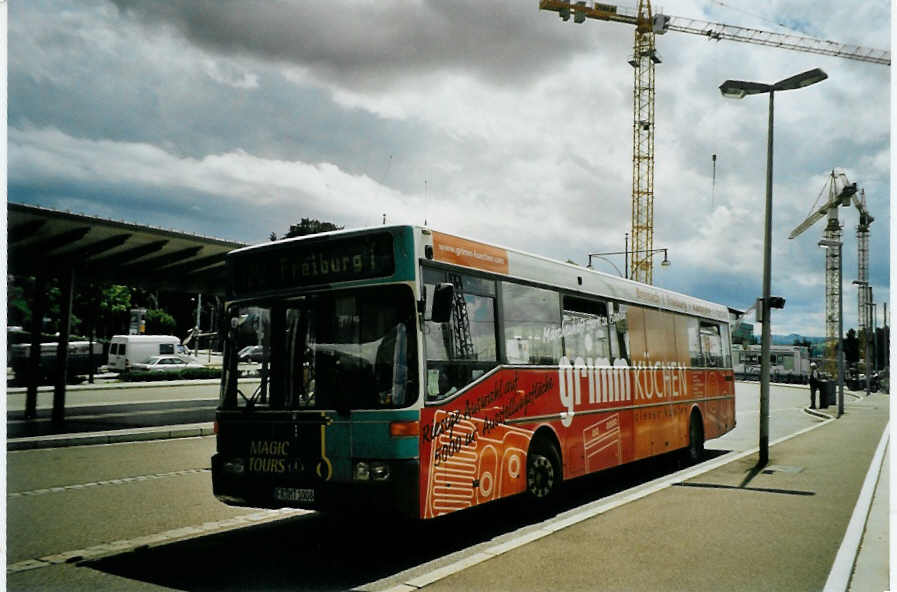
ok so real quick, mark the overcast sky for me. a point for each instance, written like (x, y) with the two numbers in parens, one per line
(488, 119)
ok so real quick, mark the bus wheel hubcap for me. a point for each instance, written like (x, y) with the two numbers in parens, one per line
(540, 477)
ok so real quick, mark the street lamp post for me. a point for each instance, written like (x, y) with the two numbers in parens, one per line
(738, 89)
(872, 324)
(870, 335)
(627, 252)
(599, 256)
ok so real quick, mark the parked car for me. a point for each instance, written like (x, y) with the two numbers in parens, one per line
(167, 364)
(127, 351)
(251, 353)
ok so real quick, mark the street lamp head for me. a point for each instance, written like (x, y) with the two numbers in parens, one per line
(738, 89)
(801, 80)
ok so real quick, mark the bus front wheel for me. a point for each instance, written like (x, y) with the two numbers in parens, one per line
(543, 470)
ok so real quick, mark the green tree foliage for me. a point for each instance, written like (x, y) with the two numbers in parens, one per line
(159, 322)
(20, 294)
(113, 306)
(310, 226)
(851, 348)
(106, 308)
(18, 313)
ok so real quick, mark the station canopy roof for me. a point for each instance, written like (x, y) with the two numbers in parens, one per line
(48, 242)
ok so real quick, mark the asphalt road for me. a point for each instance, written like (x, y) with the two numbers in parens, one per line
(115, 407)
(141, 516)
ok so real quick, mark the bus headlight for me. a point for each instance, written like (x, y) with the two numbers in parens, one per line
(374, 470)
(362, 471)
(380, 471)
(235, 466)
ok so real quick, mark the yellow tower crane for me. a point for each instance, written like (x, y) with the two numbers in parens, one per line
(644, 58)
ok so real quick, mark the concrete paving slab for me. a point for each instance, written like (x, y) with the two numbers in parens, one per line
(748, 530)
(871, 569)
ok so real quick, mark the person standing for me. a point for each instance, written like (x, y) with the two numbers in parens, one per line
(814, 386)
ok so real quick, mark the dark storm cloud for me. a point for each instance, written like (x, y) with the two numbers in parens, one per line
(279, 120)
(371, 45)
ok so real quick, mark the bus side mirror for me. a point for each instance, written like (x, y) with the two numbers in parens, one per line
(442, 303)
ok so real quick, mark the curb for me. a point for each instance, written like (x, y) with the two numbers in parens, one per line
(112, 436)
(817, 413)
(417, 577)
(845, 561)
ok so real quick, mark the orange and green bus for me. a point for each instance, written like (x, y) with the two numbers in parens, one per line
(409, 371)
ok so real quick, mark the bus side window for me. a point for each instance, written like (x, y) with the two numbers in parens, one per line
(532, 324)
(692, 334)
(682, 324)
(727, 345)
(788, 362)
(711, 345)
(585, 329)
(619, 336)
(463, 349)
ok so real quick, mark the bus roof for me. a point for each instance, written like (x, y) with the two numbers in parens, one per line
(514, 263)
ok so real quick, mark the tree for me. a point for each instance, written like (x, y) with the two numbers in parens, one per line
(851, 348)
(113, 309)
(311, 226)
(18, 313)
(159, 322)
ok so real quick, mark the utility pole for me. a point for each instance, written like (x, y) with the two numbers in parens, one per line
(198, 308)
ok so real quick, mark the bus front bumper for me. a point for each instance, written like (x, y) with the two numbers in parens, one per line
(396, 495)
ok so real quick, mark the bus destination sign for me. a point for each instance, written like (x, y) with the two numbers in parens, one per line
(300, 263)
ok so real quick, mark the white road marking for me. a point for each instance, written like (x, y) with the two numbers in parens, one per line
(169, 536)
(106, 482)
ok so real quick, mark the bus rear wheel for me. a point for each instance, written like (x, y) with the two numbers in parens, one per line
(543, 470)
(695, 451)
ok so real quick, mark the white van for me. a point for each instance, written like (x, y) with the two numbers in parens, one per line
(125, 350)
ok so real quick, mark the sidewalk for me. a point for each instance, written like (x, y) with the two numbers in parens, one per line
(732, 528)
(871, 569)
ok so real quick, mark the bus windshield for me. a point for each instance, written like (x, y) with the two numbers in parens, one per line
(352, 349)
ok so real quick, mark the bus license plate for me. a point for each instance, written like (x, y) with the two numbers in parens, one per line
(294, 494)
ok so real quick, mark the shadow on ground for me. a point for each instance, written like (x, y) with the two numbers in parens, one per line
(326, 552)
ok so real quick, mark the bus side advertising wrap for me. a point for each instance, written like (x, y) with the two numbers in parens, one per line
(458, 251)
(474, 448)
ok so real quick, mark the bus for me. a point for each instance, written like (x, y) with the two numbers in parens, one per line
(415, 372)
(787, 363)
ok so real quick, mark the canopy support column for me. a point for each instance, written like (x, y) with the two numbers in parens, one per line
(66, 290)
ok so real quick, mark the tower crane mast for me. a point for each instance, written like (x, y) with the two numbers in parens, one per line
(837, 192)
(644, 58)
(863, 320)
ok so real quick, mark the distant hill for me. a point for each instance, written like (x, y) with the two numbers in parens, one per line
(790, 338)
